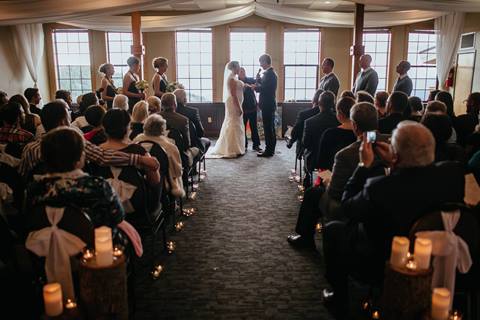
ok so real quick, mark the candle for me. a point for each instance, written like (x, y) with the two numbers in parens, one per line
(455, 315)
(70, 304)
(103, 246)
(117, 252)
(440, 303)
(423, 252)
(411, 265)
(399, 254)
(52, 297)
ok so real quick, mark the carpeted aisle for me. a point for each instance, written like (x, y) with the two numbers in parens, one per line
(232, 259)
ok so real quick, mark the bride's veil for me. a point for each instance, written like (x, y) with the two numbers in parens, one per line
(226, 75)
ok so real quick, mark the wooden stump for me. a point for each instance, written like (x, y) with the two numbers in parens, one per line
(103, 290)
(406, 294)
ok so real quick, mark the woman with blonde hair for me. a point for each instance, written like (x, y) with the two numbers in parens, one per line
(159, 81)
(139, 115)
(154, 104)
(108, 89)
(130, 80)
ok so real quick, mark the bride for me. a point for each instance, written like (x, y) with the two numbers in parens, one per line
(231, 142)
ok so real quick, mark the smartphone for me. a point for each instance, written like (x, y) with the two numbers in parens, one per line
(371, 136)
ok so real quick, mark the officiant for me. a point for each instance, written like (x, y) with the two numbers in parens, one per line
(249, 107)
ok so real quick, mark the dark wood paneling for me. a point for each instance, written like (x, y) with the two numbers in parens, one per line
(290, 111)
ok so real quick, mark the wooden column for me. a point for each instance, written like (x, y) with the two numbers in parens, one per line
(357, 49)
(138, 50)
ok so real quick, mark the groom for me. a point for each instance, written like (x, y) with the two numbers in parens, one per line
(267, 87)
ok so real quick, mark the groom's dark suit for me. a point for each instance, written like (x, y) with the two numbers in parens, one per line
(267, 87)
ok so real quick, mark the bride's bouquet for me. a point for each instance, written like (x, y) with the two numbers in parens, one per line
(141, 85)
(172, 86)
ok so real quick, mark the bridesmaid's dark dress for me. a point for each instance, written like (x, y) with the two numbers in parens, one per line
(132, 89)
(163, 84)
(111, 92)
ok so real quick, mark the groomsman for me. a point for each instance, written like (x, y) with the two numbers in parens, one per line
(404, 83)
(367, 78)
(329, 81)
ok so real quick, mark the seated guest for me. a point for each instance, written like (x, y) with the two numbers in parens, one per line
(159, 81)
(396, 105)
(347, 93)
(432, 94)
(94, 116)
(297, 130)
(446, 97)
(416, 108)
(130, 80)
(380, 103)
(108, 87)
(139, 115)
(174, 119)
(3, 98)
(33, 97)
(465, 124)
(404, 83)
(315, 126)
(155, 130)
(154, 104)
(441, 128)
(66, 185)
(120, 102)
(11, 131)
(364, 96)
(89, 99)
(197, 136)
(31, 121)
(440, 107)
(364, 118)
(65, 96)
(335, 139)
(382, 207)
(53, 115)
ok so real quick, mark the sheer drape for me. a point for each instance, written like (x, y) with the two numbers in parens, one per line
(29, 43)
(448, 29)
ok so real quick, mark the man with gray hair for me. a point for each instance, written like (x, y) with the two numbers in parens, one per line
(379, 208)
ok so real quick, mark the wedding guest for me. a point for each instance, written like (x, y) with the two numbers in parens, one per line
(94, 116)
(465, 124)
(196, 127)
(89, 99)
(65, 95)
(446, 97)
(329, 81)
(367, 78)
(403, 83)
(31, 120)
(10, 130)
(139, 115)
(120, 102)
(154, 104)
(396, 105)
(3, 98)
(364, 96)
(108, 87)
(33, 97)
(440, 107)
(380, 103)
(347, 93)
(432, 94)
(416, 108)
(249, 107)
(159, 81)
(130, 80)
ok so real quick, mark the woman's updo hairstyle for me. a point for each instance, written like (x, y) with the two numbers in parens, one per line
(159, 62)
(133, 61)
(232, 65)
(116, 122)
(104, 67)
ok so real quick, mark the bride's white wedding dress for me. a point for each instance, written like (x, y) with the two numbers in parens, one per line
(231, 142)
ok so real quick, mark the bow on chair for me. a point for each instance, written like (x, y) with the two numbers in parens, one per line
(123, 189)
(56, 245)
(450, 253)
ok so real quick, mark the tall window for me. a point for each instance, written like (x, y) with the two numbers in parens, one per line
(194, 64)
(301, 59)
(377, 44)
(421, 55)
(119, 50)
(246, 46)
(72, 61)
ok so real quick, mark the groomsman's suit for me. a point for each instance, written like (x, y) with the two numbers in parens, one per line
(404, 84)
(329, 82)
(267, 87)
(367, 80)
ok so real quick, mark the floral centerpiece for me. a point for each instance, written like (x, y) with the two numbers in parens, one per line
(172, 86)
(141, 85)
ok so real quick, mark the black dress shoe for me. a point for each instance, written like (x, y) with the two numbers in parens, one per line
(258, 149)
(265, 154)
(298, 241)
(289, 144)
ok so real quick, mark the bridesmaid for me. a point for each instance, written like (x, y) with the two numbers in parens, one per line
(159, 81)
(108, 88)
(129, 80)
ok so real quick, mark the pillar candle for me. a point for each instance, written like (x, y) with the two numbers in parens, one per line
(52, 298)
(103, 246)
(440, 303)
(399, 254)
(423, 252)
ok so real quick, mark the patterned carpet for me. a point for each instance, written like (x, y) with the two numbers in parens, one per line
(232, 259)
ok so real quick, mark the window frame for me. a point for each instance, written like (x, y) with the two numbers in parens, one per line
(247, 30)
(120, 66)
(388, 53)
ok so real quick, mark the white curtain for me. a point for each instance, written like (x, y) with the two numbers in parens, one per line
(448, 29)
(29, 43)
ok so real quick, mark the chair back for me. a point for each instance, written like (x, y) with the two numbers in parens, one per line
(177, 136)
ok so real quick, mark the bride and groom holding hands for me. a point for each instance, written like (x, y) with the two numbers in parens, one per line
(231, 142)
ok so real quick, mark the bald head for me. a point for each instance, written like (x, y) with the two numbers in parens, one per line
(413, 144)
(181, 96)
(365, 61)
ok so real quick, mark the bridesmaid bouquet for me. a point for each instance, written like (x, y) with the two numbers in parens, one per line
(172, 86)
(141, 85)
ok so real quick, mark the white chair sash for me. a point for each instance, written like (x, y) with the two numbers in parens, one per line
(56, 245)
(450, 253)
(123, 189)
